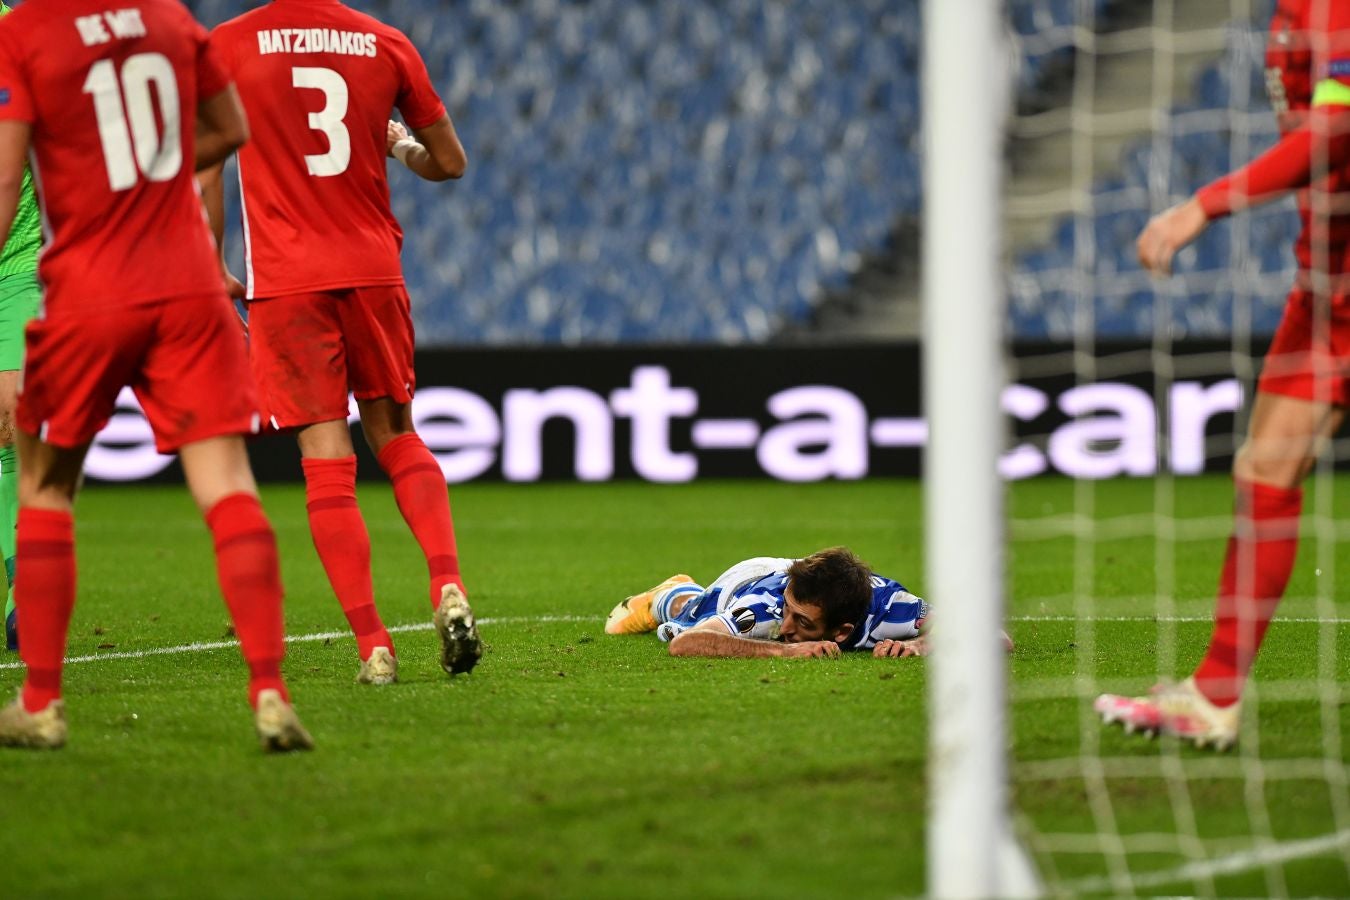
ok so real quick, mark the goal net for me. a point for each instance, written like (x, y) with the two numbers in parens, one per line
(1123, 398)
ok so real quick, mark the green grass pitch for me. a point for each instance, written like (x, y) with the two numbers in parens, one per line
(575, 764)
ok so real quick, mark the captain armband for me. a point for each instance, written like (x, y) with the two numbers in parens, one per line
(1331, 92)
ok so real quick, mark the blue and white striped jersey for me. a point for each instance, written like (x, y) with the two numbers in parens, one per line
(752, 607)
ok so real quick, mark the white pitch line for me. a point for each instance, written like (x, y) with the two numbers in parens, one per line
(1256, 858)
(205, 646)
(1306, 620)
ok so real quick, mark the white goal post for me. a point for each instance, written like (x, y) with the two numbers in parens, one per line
(965, 99)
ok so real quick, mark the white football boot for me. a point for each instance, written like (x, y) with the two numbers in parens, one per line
(42, 730)
(1179, 710)
(461, 646)
(380, 668)
(279, 728)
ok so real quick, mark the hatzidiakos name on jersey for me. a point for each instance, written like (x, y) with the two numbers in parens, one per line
(316, 40)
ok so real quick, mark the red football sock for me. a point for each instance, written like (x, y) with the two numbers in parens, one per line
(419, 488)
(343, 544)
(1255, 572)
(250, 579)
(44, 594)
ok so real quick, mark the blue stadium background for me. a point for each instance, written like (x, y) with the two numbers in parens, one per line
(712, 171)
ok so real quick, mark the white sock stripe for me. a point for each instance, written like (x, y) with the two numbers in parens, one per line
(661, 608)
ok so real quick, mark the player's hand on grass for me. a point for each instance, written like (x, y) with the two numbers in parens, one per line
(395, 133)
(891, 648)
(809, 649)
(1168, 232)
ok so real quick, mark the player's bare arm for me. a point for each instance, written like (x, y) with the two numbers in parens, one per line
(433, 153)
(710, 640)
(14, 136)
(212, 182)
(1167, 233)
(222, 128)
(1321, 142)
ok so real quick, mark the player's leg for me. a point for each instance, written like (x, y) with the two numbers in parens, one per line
(219, 477)
(424, 501)
(343, 543)
(20, 296)
(1285, 438)
(194, 387)
(648, 610)
(299, 359)
(9, 495)
(45, 589)
(378, 327)
(377, 324)
(673, 598)
(677, 603)
(1299, 406)
(73, 370)
(419, 488)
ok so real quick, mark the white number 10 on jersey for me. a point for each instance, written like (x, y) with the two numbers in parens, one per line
(139, 150)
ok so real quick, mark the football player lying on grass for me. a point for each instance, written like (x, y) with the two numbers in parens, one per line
(815, 606)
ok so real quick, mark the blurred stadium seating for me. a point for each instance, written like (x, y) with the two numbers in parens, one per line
(709, 170)
(654, 171)
(1239, 266)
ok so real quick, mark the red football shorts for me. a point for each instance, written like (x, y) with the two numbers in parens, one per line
(309, 350)
(185, 358)
(1309, 359)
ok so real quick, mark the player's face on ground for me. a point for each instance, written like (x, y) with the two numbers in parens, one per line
(801, 621)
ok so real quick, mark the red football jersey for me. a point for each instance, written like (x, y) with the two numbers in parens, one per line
(1307, 66)
(1309, 46)
(319, 82)
(111, 90)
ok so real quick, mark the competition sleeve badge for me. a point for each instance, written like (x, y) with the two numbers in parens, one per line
(744, 618)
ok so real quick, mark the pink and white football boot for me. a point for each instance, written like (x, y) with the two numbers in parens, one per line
(1179, 710)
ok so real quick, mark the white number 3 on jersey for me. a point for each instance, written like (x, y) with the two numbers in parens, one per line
(328, 120)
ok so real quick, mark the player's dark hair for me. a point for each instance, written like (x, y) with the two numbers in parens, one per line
(835, 580)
